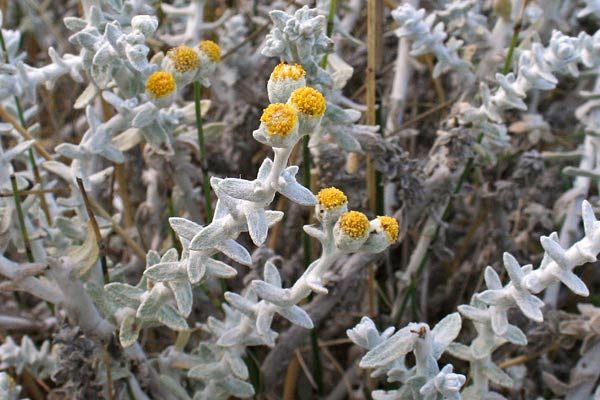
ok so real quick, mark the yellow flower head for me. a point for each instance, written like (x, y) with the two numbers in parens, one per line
(390, 227)
(184, 58)
(331, 198)
(212, 50)
(308, 101)
(287, 71)
(161, 84)
(279, 119)
(354, 224)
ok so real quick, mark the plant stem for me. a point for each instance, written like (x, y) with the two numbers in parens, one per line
(99, 240)
(514, 40)
(203, 159)
(330, 17)
(21, 218)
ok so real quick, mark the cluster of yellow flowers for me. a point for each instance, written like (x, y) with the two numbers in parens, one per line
(287, 81)
(355, 224)
(182, 60)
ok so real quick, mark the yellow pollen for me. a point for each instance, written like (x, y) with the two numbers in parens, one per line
(280, 119)
(308, 101)
(212, 50)
(331, 198)
(390, 227)
(161, 84)
(287, 71)
(184, 58)
(354, 224)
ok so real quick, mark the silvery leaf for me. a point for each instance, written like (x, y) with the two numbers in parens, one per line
(237, 365)
(173, 387)
(112, 153)
(166, 271)
(235, 251)
(529, 306)
(400, 344)
(296, 315)
(315, 232)
(257, 224)
(168, 316)
(124, 294)
(151, 304)
(240, 303)
(129, 330)
(182, 290)
(145, 115)
(298, 194)
(170, 255)
(237, 387)
(588, 217)
(346, 141)
(460, 351)
(279, 18)
(208, 237)
(219, 269)
(264, 318)
(69, 150)
(231, 338)
(272, 294)
(152, 258)
(265, 169)
(195, 267)
(74, 23)
(207, 371)
(273, 217)
(496, 375)
(241, 189)
(445, 332)
(515, 335)
(127, 139)
(184, 227)
(271, 274)
(573, 282)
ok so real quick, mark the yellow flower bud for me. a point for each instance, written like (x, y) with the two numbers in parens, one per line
(160, 84)
(308, 101)
(331, 197)
(279, 119)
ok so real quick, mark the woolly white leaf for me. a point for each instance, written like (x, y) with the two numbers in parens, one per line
(241, 189)
(296, 315)
(257, 225)
(445, 332)
(235, 251)
(184, 227)
(168, 316)
(129, 331)
(166, 271)
(124, 294)
(219, 269)
(241, 303)
(271, 274)
(400, 344)
(195, 267)
(237, 388)
(298, 194)
(496, 375)
(264, 318)
(237, 365)
(515, 335)
(182, 290)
